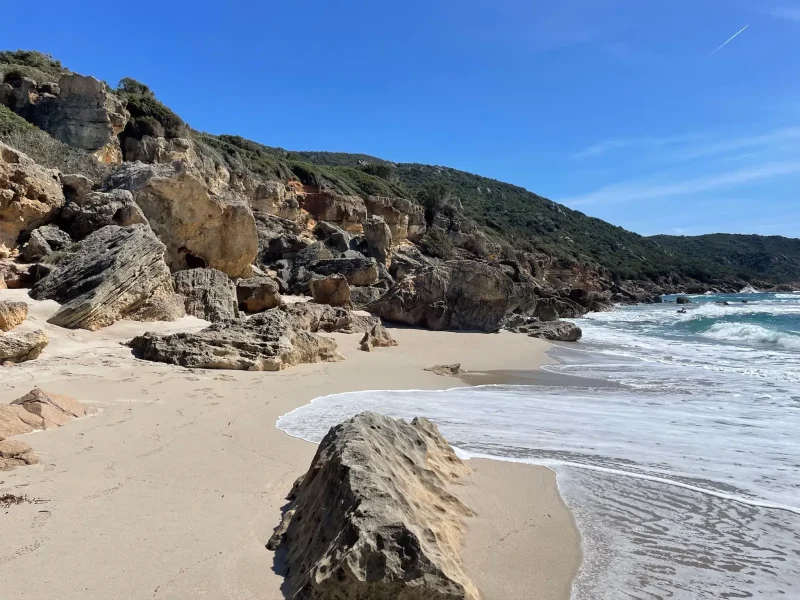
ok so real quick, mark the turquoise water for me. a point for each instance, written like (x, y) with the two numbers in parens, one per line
(679, 456)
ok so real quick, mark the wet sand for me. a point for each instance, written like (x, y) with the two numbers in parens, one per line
(173, 487)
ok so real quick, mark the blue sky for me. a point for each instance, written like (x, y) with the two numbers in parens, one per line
(617, 108)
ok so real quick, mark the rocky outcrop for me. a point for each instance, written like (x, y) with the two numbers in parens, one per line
(198, 227)
(458, 295)
(278, 238)
(405, 219)
(94, 210)
(30, 196)
(82, 114)
(272, 197)
(558, 331)
(208, 294)
(377, 337)
(12, 314)
(362, 297)
(334, 237)
(258, 294)
(550, 309)
(14, 275)
(265, 342)
(374, 517)
(43, 242)
(17, 347)
(159, 150)
(379, 239)
(683, 300)
(348, 212)
(331, 290)
(357, 271)
(35, 410)
(115, 272)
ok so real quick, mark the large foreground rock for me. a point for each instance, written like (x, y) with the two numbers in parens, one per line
(208, 294)
(114, 274)
(258, 294)
(551, 309)
(29, 196)
(12, 314)
(458, 295)
(198, 227)
(264, 342)
(377, 337)
(373, 517)
(92, 211)
(17, 347)
(331, 290)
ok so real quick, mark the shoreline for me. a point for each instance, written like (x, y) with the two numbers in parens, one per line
(174, 487)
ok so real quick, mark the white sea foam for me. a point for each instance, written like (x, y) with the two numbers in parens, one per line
(747, 333)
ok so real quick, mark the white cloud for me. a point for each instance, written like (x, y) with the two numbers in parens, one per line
(642, 191)
(606, 146)
(792, 13)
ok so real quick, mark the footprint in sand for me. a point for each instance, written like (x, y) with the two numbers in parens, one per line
(104, 492)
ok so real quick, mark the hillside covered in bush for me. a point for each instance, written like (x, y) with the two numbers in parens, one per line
(512, 218)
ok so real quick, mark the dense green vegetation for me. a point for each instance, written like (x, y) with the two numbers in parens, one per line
(29, 63)
(747, 257)
(148, 115)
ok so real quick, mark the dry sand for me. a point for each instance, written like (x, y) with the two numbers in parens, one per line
(172, 489)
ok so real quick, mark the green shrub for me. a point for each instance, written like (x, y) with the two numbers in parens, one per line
(29, 63)
(437, 243)
(144, 106)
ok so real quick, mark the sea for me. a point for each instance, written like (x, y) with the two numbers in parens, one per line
(674, 431)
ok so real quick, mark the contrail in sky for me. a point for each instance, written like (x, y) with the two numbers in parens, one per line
(729, 40)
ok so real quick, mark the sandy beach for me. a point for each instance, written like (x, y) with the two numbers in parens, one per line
(173, 487)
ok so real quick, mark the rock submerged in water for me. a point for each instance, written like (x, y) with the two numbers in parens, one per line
(683, 300)
(373, 517)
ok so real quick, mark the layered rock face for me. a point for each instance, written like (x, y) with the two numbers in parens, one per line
(198, 227)
(373, 518)
(348, 212)
(406, 220)
(92, 211)
(82, 114)
(29, 196)
(209, 294)
(265, 342)
(459, 295)
(114, 274)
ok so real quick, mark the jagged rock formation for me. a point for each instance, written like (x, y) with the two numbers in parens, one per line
(550, 309)
(208, 294)
(558, 331)
(112, 276)
(89, 212)
(17, 347)
(374, 518)
(362, 297)
(377, 337)
(406, 220)
(348, 212)
(12, 314)
(379, 239)
(29, 196)
(460, 295)
(331, 290)
(258, 294)
(358, 271)
(43, 242)
(265, 342)
(35, 410)
(198, 227)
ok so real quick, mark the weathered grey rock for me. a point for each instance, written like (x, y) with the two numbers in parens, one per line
(158, 149)
(84, 115)
(550, 309)
(458, 295)
(12, 314)
(377, 337)
(333, 236)
(379, 239)
(361, 297)
(374, 516)
(115, 272)
(358, 271)
(44, 241)
(559, 331)
(313, 317)
(264, 342)
(331, 290)
(258, 294)
(17, 346)
(30, 196)
(272, 197)
(408, 260)
(76, 186)
(278, 238)
(198, 227)
(94, 210)
(208, 294)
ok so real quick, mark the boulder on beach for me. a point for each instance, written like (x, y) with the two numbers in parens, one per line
(556, 331)
(377, 337)
(332, 290)
(374, 517)
(208, 294)
(453, 370)
(14, 453)
(258, 294)
(12, 314)
(18, 346)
